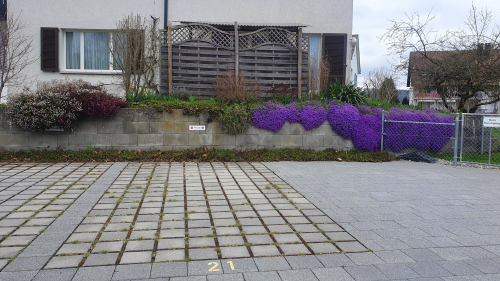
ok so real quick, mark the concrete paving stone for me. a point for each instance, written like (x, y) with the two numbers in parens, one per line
(280, 229)
(201, 242)
(169, 269)
(303, 228)
(3, 263)
(230, 240)
(351, 247)
(234, 252)
(485, 265)
(11, 222)
(224, 222)
(172, 233)
(178, 243)
(259, 276)
(55, 274)
(397, 271)
(203, 254)
(331, 274)
(108, 247)
(27, 264)
(208, 267)
(64, 261)
(143, 234)
(458, 267)
(335, 260)
(80, 248)
(35, 222)
(18, 276)
(6, 230)
(172, 224)
(132, 271)
(264, 251)
(329, 227)
(273, 221)
(365, 272)
(364, 258)
(286, 238)
(422, 254)
(297, 220)
(272, 263)
(200, 232)
(394, 257)
(18, 240)
(429, 269)
(339, 236)
(313, 237)
(259, 239)
(226, 277)
(295, 249)
(118, 227)
(101, 259)
(145, 225)
(136, 257)
(302, 262)
(170, 255)
(97, 273)
(7, 252)
(112, 236)
(89, 228)
(34, 230)
(146, 245)
(323, 248)
(299, 275)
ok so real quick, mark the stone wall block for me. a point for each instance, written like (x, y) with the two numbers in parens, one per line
(323, 130)
(124, 140)
(109, 127)
(42, 141)
(179, 115)
(213, 128)
(312, 141)
(150, 140)
(247, 141)
(270, 141)
(348, 144)
(291, 140)
(63, 141)
(14, 140)
(298, 129)
(167, 127)
(145, 114)
(136, 127)
(175, 139)
(86, 128)
(200, 140)
(183, 128)
(335, 142)
(286, 129)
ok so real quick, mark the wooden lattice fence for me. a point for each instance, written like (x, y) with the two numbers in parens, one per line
(201, 52)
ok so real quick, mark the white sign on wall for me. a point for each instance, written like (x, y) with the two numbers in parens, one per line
(196, 128)
(491, 122)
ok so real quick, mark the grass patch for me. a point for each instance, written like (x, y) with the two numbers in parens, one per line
(195, 155)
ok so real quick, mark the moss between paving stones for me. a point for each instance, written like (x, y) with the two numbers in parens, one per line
(194, 155)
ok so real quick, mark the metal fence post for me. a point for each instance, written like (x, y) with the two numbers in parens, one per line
(382, 139)
(455, 150)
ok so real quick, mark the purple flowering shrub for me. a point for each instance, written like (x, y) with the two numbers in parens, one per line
(343, 118)
(367, 134)
(270, 116)
(293, 113)
(312, 115)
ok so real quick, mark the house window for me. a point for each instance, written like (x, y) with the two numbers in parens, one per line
(88, 51)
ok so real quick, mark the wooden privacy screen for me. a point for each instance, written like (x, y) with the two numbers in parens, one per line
(201, 52)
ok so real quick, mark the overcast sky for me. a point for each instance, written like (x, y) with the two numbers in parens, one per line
(370, 21)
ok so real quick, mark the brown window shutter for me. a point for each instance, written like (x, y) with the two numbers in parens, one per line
(50, 49)
(335, 49)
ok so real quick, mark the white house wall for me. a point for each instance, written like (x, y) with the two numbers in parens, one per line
(323, 16)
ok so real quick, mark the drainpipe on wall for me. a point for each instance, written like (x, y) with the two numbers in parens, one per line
(165, 16)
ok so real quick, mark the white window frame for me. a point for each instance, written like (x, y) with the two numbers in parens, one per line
(82, 69)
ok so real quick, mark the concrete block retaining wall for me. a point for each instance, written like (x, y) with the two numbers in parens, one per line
(147, 129)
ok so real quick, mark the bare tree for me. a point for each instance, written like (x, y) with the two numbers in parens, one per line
(135, 51)
(16, 50)
(377, 84)
(457, 63)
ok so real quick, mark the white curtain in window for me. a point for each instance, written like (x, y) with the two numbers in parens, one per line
(72, 50)
(96, 51)
(119, 43)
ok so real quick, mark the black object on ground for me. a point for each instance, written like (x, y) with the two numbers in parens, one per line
(418, 156)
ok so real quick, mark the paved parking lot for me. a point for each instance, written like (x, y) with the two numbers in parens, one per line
(249, 221)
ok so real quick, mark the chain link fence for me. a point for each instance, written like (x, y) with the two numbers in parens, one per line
(471, 138)
(420, 137)
(480, 136)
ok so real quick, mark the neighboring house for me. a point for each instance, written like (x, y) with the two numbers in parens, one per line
(355, 60)
(74, 35)
(427, 96)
